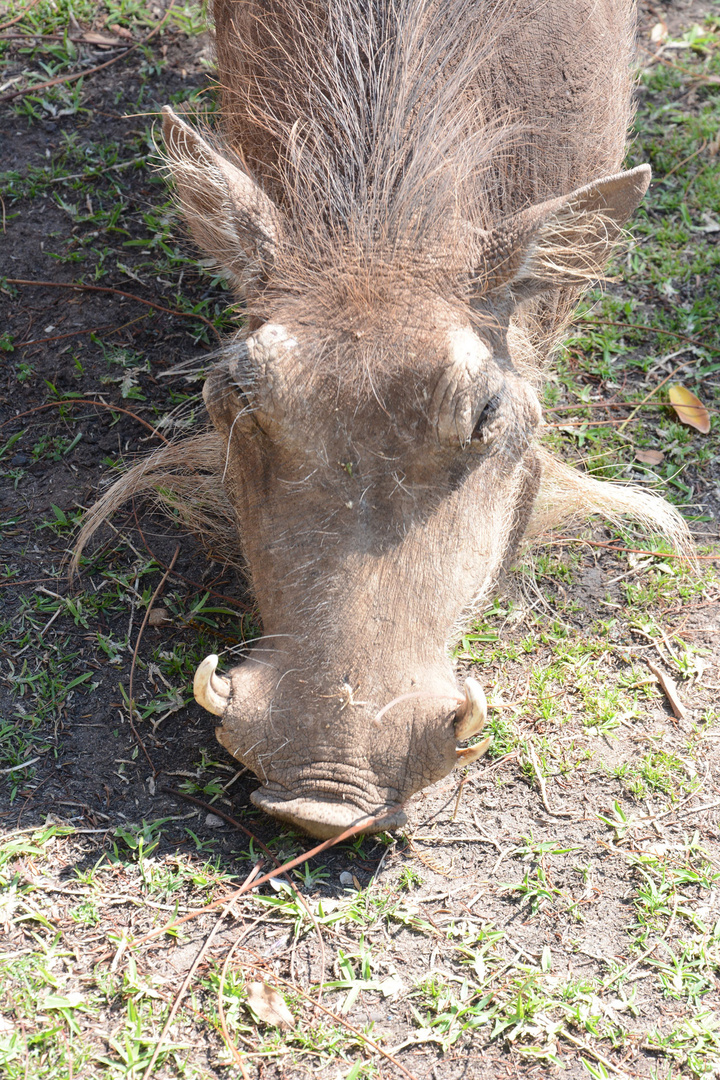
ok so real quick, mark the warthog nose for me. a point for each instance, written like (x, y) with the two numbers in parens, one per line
(211, 690)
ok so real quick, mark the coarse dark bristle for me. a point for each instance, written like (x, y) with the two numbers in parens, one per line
(390, 132)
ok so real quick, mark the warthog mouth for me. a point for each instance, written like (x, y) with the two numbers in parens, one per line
(327, 817)
(320, 794)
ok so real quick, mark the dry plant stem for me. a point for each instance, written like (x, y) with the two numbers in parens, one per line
(116, 292)
(237, 825)
(532, 757)
(352, 830)
(632, 551)
(643, 956)
(17, 18)
(593, 1053)
(188, 978)
(200, 588)
(221, 1012)
(109, 328)
(338, 1020)
(670, 689)
(651, 330)
(86, 401)
(131, 704)
(90, 71)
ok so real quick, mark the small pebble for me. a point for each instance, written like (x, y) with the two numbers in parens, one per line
(346, 878)
(213, 821)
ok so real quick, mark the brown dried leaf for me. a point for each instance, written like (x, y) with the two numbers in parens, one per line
(121, 31)
(650, 457)
(268, 1005)
(92, 37)
(670, 689)
(690, 409)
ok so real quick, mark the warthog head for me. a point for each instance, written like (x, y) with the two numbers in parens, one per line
(377, 435)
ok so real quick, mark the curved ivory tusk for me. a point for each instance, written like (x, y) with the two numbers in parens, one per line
(471, 716)
(472, 753)
(211, 690)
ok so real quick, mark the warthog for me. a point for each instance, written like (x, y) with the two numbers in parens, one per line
(408, 195)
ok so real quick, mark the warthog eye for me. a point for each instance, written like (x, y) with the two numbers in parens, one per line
(486, 417)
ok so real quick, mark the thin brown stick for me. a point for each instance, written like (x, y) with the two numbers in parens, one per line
(633, 551)
(346, 834)
(78, 333)
(25, 581)
(643, 956)
(237, 825)
(131, 703)
(662, 179)
(221, 1011)
(17, 18)
(649, 330)
(532, 758)
(78, 286)
(90, 71)
(653, 392)
(188, 978)
(213, 592)
(86, 401)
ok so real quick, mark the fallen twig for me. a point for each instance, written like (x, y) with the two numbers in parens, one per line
(115, 292)
(643, 956)
(565, 1034)
(17, 18)
(650, 330)
(85, 401)
(670, 689)
(532, 757)
(238, 825)
(346, 834)
(339, 1019)
(90, 71)
(610, 546)
(195, 964)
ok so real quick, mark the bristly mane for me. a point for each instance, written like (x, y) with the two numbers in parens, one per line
(381, 130)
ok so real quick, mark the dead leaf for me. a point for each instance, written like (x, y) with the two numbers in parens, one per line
(268, 1005)
(690, 409)
(92, 37)
(121, 31)
(650, 457)
(659, 32)
(670, 689)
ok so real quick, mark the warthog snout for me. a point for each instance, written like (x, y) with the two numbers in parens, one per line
(368, 760)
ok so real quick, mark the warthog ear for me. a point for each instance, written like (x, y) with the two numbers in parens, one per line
(561, 242)
(230, 217)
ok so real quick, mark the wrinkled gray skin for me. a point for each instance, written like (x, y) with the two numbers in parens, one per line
(379, 453)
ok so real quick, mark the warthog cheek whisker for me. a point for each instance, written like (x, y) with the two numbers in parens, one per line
(414, 694)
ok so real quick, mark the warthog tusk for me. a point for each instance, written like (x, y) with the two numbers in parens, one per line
(472, 753)
(471, 716)
(212, 691)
